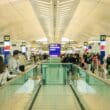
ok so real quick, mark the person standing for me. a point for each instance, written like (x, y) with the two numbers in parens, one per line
(108, 63)
(13, 63)
(4, 73)
(22, 61)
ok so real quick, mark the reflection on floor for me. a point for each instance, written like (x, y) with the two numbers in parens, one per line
(83, 87)
(28, 87)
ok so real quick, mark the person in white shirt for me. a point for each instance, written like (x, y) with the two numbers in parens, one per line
(13, 63)
(4, 73)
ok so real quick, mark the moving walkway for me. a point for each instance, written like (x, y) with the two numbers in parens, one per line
(55, 92)
(58, 89)
(57, 97)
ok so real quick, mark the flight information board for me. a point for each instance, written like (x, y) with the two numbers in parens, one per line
(54, 50)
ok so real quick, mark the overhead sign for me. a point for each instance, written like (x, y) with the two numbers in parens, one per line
(23, 43)
(102, 47)
(85, 43)
(54, 49)
(7, 38)
(102, 37)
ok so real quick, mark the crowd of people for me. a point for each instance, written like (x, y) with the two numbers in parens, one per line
(15, 65)
(88, 61)
(38, 57)
(91, 62)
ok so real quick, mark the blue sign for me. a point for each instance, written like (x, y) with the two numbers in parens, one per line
(54, 49)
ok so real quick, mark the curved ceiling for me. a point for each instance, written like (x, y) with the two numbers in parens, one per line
(78, 20)
(90, 20)
(18, 19)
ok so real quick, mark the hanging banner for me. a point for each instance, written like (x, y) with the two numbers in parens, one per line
(102, 42)
(7, 45)
(102, 47)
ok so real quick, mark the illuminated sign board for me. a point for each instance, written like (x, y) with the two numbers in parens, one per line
(54, 49)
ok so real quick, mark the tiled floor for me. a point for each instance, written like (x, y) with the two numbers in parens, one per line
(56, 97)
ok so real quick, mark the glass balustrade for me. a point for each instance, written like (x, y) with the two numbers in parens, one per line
(18, 91)
(55, 73)
(93, 91)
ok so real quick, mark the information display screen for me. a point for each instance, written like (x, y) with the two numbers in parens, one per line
(54, 50)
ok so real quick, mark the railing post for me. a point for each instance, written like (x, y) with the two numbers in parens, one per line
(43, 74)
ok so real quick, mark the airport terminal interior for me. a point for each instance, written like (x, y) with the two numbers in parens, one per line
(54, 55)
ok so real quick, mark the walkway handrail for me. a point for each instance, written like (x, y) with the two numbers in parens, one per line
(91, 74)
(18, 76)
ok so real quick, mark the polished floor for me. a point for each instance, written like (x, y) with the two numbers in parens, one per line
(56, 97)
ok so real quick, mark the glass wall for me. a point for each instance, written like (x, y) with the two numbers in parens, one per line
(55, 73)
